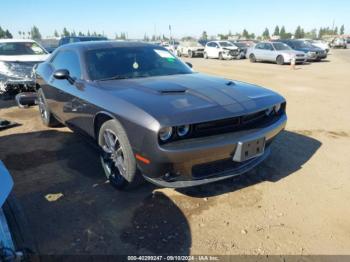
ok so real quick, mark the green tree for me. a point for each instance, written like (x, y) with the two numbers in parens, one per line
(245, 34)
(283, 33)
(2, 33)
(35, 33)
(204, 35)
(65, 32)
(20, 34)
(266, 34)
(56, 34)
(277, 31)
(335, 30)
(297, 33)
(8, 34)
(342, 30)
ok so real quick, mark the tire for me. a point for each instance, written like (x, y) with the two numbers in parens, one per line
(205, 55)
(190, 53)
(117, 158)
(221, 57)
(178, 53)
(280, 60)
(46, 116)
(252, 58)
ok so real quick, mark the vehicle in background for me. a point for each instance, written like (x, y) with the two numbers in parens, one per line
(338, 42)
(243, 47)
(277, 52)
(171, 46)
(49, 44)
(73, 39)
(319, 43)
(152, 116)
(17, 59)
(221, 50)
(190, 49)
(16, 241)
(312, 52)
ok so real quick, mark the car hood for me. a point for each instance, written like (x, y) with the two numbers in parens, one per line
(230, 48)
(190, 98)
(23, 58)
(312, 49)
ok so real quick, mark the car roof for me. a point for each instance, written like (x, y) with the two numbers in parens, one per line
(12, 40)
(91, 45)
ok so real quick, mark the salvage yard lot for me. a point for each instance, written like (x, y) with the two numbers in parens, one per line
(296, 202)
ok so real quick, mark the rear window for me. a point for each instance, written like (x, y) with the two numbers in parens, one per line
(21, 48)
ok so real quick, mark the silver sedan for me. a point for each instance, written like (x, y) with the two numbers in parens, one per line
(275, 52)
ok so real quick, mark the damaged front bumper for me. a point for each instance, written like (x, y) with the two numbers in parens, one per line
(10, 87)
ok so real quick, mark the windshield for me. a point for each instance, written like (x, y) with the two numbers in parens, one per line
(302, 44)
(21, 48)
(240, 45)
(84, 39)
(132, 62)
(281, 46)
(225, 44)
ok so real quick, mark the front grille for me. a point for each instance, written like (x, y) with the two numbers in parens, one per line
(234, 52)
(239, 123)
(200, 50)
(300, 55)
(253, 120)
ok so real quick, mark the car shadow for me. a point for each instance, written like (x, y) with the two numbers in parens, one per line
(72, 209)
(289, 152)
(7, 103)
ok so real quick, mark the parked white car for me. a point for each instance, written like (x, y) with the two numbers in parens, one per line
(17, 59)
(277, 52)
(319, 43)
(171, 46)
(339, 42)
(221, 50)
(190, 49)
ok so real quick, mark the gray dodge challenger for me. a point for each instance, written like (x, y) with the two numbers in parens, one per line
(152, 116)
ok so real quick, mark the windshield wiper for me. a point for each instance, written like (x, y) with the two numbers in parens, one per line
(117, 77)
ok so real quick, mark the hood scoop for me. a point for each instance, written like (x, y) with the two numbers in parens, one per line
(164, 92)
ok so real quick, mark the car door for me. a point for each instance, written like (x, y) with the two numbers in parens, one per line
(66, 103)
(258, 51)
(215, 50)
(269, 52)
(209, 49)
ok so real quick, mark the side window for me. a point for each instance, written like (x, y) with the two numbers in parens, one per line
(259, 46)
(67, 60)
(269, 47)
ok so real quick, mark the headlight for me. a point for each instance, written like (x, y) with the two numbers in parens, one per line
(165, 133)
(274, 109)
(277, 108)
(183, 130)
(5, 68)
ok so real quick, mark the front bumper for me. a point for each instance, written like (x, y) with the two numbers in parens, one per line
(208, 159)
(316, 57)
(9, 87)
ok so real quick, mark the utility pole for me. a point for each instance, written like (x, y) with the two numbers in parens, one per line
(170, 32)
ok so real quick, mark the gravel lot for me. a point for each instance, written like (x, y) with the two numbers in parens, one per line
(294, 203)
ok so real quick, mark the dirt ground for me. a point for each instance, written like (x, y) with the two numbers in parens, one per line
(296, 202)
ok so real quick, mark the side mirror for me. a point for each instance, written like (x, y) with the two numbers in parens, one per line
(63, 74)
(189, 64)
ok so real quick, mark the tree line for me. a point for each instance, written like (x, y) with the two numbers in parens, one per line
(281, 33)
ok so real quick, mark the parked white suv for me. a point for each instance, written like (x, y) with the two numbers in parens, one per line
(190, 49)
(221, 50)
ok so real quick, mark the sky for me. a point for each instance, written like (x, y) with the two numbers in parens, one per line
(187, 18)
